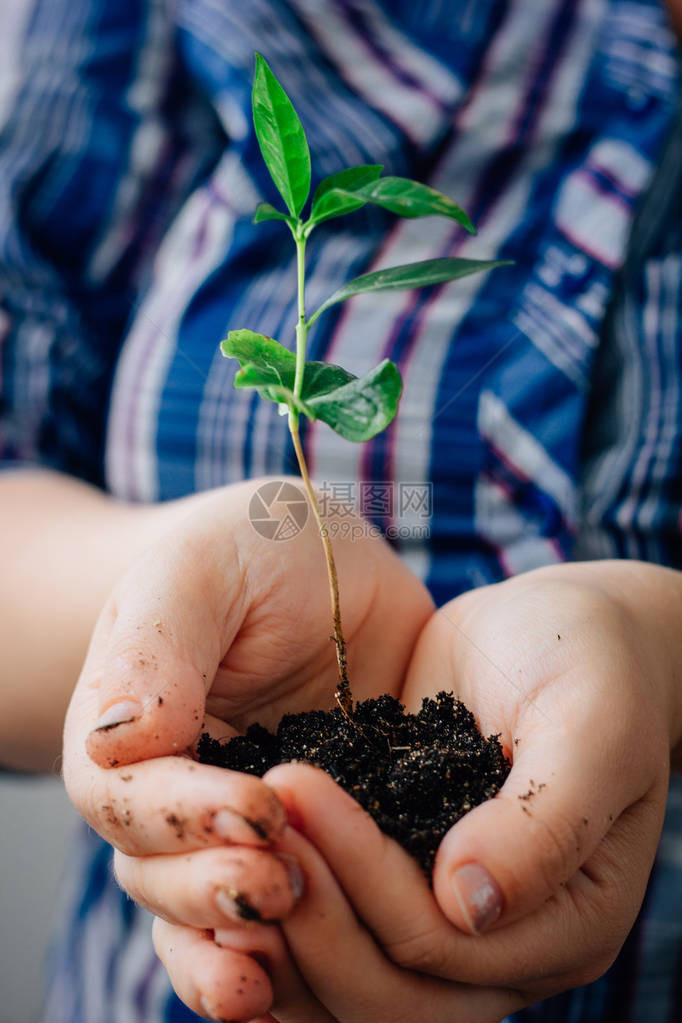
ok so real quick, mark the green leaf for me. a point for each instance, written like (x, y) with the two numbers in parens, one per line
(364, 406)
(266, 364)
(410, 275)
(281, 138)
(356, 408)
(350, 178)
(273, 360)
(331, 197)
(318, 377)
(267, 212)
(277, 365)
(247, 379)
(254, 378)
(322, 377)
(411, 199)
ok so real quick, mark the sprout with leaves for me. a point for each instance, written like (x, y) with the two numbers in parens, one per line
(357, 408)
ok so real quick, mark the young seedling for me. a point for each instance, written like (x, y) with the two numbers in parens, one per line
(357, 408)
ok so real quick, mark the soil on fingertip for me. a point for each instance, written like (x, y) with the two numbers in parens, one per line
(415, 774)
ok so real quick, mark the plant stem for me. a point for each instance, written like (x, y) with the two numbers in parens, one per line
(301, 325)
(343, 694)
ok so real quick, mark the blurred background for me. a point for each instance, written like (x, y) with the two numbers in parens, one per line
(36, 827)
(36, 819)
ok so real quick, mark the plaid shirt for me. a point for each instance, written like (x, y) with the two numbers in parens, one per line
(542, 407)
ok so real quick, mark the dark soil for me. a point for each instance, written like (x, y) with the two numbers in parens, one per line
(416, 774)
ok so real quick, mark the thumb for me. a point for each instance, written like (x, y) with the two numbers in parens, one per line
(153, 658)
(509, 855)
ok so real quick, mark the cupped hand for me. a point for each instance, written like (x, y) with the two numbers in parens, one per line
(218, 627)
(535, 891)
(217, 617)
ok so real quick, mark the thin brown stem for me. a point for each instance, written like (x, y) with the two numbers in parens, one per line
(342, 695)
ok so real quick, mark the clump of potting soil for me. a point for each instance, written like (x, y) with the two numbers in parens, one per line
(416, 774)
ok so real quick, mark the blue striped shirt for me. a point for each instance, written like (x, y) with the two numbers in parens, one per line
(541, 404)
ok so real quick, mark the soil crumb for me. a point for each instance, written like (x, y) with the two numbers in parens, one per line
(416, 774)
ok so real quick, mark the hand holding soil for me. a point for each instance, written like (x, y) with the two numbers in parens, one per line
(570, 664)
(573, 666)
(217, 616)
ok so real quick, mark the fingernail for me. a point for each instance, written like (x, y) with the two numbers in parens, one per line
(235, 905)
(206, 1008)
(119, 713)
(479, 896)
(296, 878)
(231, 825)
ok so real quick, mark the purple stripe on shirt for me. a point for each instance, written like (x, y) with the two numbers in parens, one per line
(385, 57)
(494, 178)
